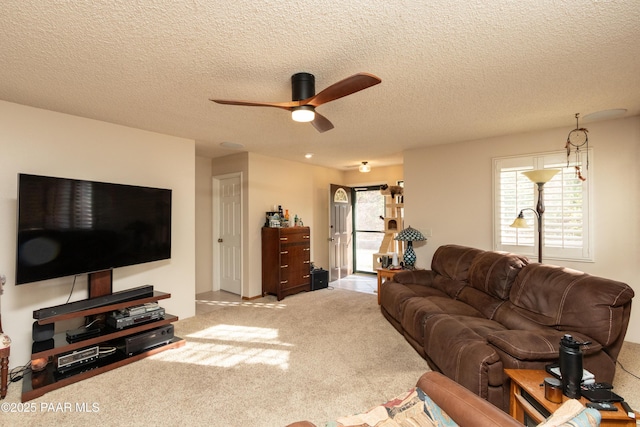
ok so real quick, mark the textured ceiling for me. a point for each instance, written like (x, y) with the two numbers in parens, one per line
(451, 70)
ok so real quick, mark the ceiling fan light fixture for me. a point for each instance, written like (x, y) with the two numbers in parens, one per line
(364, 167)
(303, 114)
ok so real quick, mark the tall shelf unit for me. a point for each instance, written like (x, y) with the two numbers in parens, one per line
(36, 384)
(393, 224)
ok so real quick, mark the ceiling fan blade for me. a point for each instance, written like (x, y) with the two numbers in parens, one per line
(284, 105)
(321, 123)
(344, 87)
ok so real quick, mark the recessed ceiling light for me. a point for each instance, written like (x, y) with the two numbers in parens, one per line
(232, 145)
(308, 155)
(604, 114)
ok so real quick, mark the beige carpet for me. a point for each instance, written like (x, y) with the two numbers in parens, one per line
(314, 356)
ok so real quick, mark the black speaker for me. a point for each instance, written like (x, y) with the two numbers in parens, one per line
(319, 279)
(42, 332)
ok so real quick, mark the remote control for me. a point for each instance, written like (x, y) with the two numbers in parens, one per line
(602, 406)
(597, 386)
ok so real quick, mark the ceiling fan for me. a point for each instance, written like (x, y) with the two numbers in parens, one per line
(305, 100)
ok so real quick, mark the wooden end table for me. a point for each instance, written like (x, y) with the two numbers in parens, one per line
(527, 401)
(385, 273)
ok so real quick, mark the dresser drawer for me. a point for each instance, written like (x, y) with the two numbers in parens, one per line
(294, 235)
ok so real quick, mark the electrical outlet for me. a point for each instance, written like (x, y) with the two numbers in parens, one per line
(427, 232)
(3, 279)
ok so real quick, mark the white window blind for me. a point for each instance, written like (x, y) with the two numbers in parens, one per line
(566, 219)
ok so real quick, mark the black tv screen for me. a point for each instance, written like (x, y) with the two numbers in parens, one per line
(68, 227)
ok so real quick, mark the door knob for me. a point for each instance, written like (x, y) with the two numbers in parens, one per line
(219, 240)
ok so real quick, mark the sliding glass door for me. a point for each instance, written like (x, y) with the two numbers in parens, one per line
(369, 211)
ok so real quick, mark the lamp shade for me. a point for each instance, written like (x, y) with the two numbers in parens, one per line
(304, 113)
(410, 235)
(520, 222)
(364, 167)
(541, 176)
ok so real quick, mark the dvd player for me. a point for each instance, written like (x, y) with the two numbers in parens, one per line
(120, 319)
(142, 341)
(114, 298)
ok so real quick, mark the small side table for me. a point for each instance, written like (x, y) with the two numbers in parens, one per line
(527, 402)
(385, 273)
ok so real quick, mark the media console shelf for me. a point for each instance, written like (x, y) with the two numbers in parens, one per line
(36, 384)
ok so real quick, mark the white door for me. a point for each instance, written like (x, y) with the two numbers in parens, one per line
(340, 232)
(230, 228)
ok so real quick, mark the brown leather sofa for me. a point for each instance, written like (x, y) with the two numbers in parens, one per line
(464, 407)
(478, 312)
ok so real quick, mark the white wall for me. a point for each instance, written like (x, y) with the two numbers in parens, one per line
(267, 181)
(301, 188)
(448, 189)
(47, 143)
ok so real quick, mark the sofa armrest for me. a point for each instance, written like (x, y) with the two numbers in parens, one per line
(536, 344)
(417, 277)
(463, 406)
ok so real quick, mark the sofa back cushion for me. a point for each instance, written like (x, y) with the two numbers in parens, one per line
(453, 261)
(495, 272)
(450, 264)
(570, 300)
(491, 276)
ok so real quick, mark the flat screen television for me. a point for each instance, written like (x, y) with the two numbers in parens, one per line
(68, 227)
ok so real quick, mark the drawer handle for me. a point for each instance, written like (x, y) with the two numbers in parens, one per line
(284, 252)
(306, 249)
(284, 266)
(284, 282)
(305, 277)
(306, 262)
(284, 238)
(306, 237)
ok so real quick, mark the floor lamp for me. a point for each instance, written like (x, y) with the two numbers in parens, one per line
(540, 178)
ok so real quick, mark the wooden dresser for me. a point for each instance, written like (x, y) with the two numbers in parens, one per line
(286, 260)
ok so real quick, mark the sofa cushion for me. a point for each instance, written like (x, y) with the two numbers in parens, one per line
(417, 310)
(414, 277)
(485, 303)
(393, 296)
(570, 300)
(458, 347)
(494, 272)
(453, 261)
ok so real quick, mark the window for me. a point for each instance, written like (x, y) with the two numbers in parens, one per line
(566, 219)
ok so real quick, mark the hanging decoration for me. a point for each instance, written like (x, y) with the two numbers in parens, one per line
(576, 140)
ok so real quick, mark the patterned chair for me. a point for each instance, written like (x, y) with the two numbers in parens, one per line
(5, 346)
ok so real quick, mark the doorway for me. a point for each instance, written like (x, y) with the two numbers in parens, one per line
(368, 226)
(340, 232)
(227, 233)
(356, 229)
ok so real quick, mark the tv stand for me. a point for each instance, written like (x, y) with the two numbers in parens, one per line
(36, 384)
